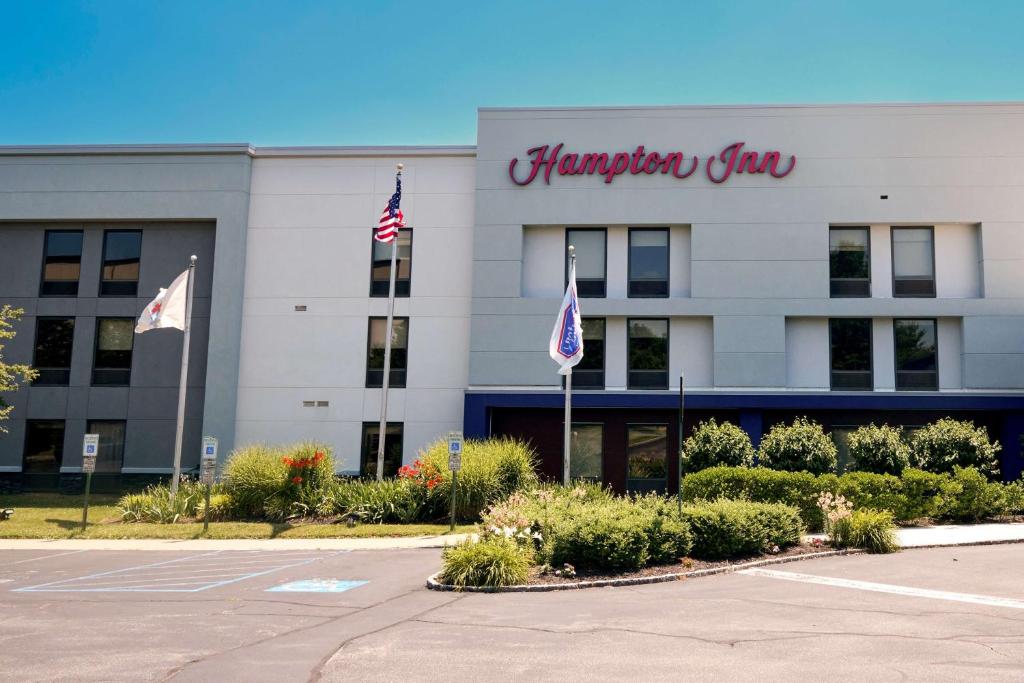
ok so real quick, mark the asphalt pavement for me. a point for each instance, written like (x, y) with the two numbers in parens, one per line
(938, 614)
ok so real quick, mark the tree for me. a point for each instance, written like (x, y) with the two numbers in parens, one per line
(11, 374)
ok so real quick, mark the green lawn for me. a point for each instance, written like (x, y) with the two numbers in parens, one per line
(52, 515)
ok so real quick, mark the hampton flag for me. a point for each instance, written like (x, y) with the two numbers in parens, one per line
(566, 345)
(167, 309)
(392, 219)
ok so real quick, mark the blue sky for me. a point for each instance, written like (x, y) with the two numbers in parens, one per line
(343, 73)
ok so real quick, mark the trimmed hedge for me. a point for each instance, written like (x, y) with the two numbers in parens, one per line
(879, 449)
(713, 444)
(734, 528)
(801, 446)
(963, 495)
(947, 444)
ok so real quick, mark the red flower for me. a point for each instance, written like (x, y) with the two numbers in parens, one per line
(287, 461)
(296, 480)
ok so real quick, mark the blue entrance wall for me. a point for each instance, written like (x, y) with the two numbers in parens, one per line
(478, 404)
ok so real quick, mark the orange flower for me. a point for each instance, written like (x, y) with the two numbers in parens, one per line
(296, 480)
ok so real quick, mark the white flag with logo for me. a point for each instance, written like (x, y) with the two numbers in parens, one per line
(566, 345)
(167, 309)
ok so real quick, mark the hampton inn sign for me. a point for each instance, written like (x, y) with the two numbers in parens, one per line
(718, 167)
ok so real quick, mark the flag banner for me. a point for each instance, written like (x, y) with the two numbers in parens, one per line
(566, 345)
(391, 219)
(167, 309)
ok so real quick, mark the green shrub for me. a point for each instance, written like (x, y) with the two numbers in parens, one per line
(221, 507)
(155, 503)
(869, 490)
(732, 528)
(923, 494)
(947, 443)
(879, 449)
(802, 446)
(489, 562)
(390, 501)
(254, 476)
(873, 530)
(972, 497)
(492, 469)
(713, 444)
(798, 489)
(1014, 498)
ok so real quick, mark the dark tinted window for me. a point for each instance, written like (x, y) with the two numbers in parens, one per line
(380, 267)
(121, 252)
(917, 364)
(52, 356)
(850, 341)
(648, 354)
(110, 457)
(375, 352)
(392, 449)
(590, 246)
(648, 262)
(587, 444)
(112, 361)
(44, 447)
(62, 263)
(849, 262)
(646, 457)
(913, 262)
(589, 373)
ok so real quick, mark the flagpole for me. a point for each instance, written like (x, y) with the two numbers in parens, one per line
(382, 433)
(180, 426)
(567, 437)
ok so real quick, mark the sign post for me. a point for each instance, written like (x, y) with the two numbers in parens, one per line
(207, 472)
(454, 464)
(90, 448)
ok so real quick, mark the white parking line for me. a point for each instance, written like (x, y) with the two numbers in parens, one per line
(43, 557)
(910, 591)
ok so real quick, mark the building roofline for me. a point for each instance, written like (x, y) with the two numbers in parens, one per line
(796, 105)
(238, 148)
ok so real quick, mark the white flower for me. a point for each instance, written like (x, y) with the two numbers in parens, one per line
(510, 531)
(536, 535)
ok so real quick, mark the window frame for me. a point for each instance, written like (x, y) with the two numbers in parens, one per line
(96, 349)
(46, 373)
(364, 453)
(588, 423)
(401, 292)
(868, 251)
(42, 271)
(668, 354)
(90, 429)
(392, 384)
(604, 276)
(892, 257)
(895, 355)
(668, 264)
(871, 356)
(653, 482)
(103, 265)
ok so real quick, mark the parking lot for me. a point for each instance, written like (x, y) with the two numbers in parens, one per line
(938, 614)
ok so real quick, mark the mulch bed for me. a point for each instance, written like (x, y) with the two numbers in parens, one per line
(684, 565)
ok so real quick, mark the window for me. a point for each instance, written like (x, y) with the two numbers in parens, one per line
(591, 246)
(392, 449)
(648, 354)
(375, 352)
(917, 366)
(841, 438)
(62, 263)
(849, 261)
(587, 446)
(589, 373)
(380, 266)
(110, 457)
(646, 462)
(913, 262)
(850, 344)
(52, 356)
(44, 447)
(112, 361)
(121, 250)
(648, 262)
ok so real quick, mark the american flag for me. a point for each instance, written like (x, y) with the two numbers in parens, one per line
(392, 219)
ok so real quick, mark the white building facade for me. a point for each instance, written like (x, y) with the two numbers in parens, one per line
(854, 264)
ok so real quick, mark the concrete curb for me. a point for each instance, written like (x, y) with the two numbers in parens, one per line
(434, 584)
